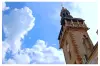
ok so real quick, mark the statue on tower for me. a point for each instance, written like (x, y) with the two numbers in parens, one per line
(65, 13)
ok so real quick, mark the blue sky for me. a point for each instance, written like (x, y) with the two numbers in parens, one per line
(19, 39)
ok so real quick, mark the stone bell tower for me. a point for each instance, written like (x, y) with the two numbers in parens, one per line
(74, 39)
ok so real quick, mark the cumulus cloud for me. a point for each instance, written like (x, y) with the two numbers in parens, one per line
(22, 58)
(4, 7)
(11, 61)
(47, 54)
(16, 25)
(5, 47)
(35, 55)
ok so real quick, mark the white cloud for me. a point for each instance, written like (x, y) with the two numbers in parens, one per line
(16, 24)
(22, 58)
(47, 54)
(14, 29)
(40, 45)
(5, 47)
(41, 53)
(4, 7)
(35, 55)
(11, 61)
